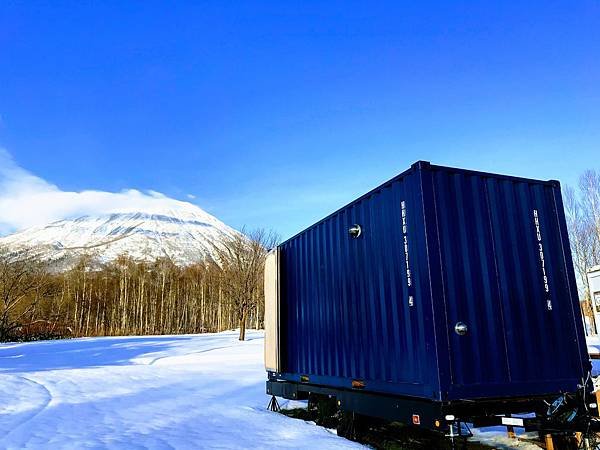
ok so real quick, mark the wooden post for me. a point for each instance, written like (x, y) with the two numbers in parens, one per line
(510, 431)
(549, 442)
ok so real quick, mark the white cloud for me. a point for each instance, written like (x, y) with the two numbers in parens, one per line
(27, 200)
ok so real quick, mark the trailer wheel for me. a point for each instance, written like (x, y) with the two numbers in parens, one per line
(345, 427)
(351, 425)
(324, 408)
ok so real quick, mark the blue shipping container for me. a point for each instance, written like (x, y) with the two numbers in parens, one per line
(442, 284)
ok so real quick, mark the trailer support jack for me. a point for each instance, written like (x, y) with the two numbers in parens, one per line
(274, 405)
(458, 440)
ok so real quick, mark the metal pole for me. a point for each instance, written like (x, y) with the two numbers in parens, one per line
(452, 441)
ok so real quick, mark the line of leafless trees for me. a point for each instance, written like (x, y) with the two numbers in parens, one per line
(126, 297)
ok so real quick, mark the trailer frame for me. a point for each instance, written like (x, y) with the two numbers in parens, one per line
(575, 413)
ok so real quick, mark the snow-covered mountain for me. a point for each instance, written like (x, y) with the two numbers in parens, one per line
(183, 233)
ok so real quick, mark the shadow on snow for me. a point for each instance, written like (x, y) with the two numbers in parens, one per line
(81, 353)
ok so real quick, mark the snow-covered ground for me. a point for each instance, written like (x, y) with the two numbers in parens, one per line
(163, 392)
(154, 392)
(497, 438)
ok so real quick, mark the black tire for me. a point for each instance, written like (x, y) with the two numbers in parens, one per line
(324, 409)
(351, 425)
(345, 427)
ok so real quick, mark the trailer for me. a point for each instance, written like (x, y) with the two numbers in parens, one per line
(443, 295)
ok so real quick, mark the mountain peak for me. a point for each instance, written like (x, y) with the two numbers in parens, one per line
(181, 232)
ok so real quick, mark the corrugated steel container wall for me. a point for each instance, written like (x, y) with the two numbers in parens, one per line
(382, 308)
(345, 301)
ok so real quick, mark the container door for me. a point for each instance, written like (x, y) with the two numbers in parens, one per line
(510, 320)
(475, 322)
(540, 310)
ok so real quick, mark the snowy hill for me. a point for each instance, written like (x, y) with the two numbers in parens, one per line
(151, 392)
(183, 234)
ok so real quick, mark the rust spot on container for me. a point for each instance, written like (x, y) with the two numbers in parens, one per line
(358, 384)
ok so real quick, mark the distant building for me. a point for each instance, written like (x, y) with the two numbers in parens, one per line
(594, 284)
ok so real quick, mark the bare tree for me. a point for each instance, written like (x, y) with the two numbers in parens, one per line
(241, 258)
(582, 210)
(589, 185)
(23, 283)
(580, 236)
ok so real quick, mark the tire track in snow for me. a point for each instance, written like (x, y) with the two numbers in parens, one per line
(188, 354)
(31, 415)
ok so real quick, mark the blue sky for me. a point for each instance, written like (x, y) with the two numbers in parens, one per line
(273, 114)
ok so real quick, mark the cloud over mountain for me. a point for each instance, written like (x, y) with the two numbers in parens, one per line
(27, 200)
